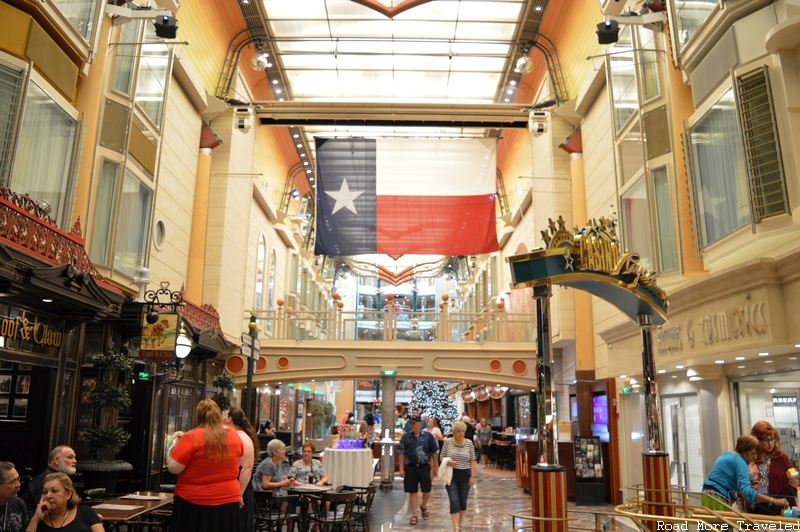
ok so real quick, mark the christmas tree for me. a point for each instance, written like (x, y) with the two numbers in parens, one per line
(431, 398)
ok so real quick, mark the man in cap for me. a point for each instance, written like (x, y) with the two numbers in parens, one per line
(419, 461)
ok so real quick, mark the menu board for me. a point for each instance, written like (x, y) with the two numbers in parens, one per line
(588, 459)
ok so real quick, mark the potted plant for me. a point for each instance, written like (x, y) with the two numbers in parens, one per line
(321, 414)
(225, 383)
(105, 438)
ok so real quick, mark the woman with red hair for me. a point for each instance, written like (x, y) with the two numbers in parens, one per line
(207, 460)
(768, 470)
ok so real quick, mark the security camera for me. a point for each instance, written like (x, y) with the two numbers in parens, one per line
(166, 27)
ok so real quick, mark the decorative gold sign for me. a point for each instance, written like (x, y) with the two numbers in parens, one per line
(23, 329)
(158, 339)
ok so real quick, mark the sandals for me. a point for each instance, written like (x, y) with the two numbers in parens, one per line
(424, 512)
(413, 520)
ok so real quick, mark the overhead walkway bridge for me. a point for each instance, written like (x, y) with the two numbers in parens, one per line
(297, 345)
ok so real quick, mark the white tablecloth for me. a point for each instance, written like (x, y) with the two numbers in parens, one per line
(348, 467)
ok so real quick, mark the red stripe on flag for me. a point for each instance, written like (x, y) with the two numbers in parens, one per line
(439, 225)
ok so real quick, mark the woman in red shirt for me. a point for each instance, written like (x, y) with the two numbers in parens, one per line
(206, 460)
(770, 469)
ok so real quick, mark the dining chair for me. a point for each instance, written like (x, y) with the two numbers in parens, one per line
(274, 510)
(333, 512)
(363, 505)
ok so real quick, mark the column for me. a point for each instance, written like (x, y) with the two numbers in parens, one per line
(548, 479)
(655, 462)
(197, 240)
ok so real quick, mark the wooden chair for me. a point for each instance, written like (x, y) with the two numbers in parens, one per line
(333, 511)
(274, 510)
(363, 505)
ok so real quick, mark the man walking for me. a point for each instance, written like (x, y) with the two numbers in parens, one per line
(419, 461)
(61, 459)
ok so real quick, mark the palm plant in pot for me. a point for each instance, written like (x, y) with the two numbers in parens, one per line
(105, 438)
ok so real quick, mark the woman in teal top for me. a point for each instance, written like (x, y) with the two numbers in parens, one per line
(729, 476)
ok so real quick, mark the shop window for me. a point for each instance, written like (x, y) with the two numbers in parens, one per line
(36, 121)
(718, 174)
(15, 388)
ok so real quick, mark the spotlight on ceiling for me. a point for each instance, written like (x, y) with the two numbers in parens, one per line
(166, 27)
(525, 65)
(295, 194)
(608, 32)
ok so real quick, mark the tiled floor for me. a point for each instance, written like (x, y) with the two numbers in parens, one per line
(492, 499)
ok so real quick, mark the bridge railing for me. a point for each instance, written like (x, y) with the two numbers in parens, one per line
(394, 325)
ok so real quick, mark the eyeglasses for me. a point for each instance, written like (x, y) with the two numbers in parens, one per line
(16, 481)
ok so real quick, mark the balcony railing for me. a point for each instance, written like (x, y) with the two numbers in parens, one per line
(395, 325)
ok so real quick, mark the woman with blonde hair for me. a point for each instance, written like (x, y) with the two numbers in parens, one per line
(459, 453)
(207, 461)
(59, 508)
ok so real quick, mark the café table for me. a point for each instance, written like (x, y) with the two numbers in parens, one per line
(304, 490)
(348, 467)
(124, 509)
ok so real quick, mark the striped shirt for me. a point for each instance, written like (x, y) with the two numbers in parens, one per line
(461, 455)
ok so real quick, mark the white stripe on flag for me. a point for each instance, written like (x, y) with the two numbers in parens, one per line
(436, 167)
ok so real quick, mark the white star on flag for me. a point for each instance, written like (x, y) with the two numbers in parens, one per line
(344, 198)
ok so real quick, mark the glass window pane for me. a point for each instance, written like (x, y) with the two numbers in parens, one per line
(636, 223)
(260, 258)
(656, 133)
(80, 14)
(631, 153)
(103, 209)
(133, 223)
(271, 286)
(718, 172)
(43, 160)
(151, 83)
(665, 230)
(10, 89)
(126, 57)
(648, 64)
(623, 79)
(690, 16)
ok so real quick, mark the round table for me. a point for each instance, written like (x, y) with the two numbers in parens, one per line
(348, 467)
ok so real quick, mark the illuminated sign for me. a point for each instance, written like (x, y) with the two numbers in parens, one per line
(25, 330)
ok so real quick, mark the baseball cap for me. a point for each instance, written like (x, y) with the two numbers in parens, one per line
(415, 419)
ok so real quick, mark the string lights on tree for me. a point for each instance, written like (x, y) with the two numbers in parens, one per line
(432, 398)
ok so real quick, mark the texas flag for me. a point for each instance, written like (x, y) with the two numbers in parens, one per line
(405, 196)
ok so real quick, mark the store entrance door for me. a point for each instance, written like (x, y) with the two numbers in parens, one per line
(682, 433)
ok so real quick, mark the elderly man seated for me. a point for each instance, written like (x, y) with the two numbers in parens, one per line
(13, 515)
(60, 460)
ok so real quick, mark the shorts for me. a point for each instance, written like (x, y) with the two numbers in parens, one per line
(417, 476)
(483, 450)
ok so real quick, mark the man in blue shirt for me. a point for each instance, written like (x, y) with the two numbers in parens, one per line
(419, 459)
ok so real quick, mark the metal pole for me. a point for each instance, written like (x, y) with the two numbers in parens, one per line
(251, 363)
(548, 452)
(653, 443)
